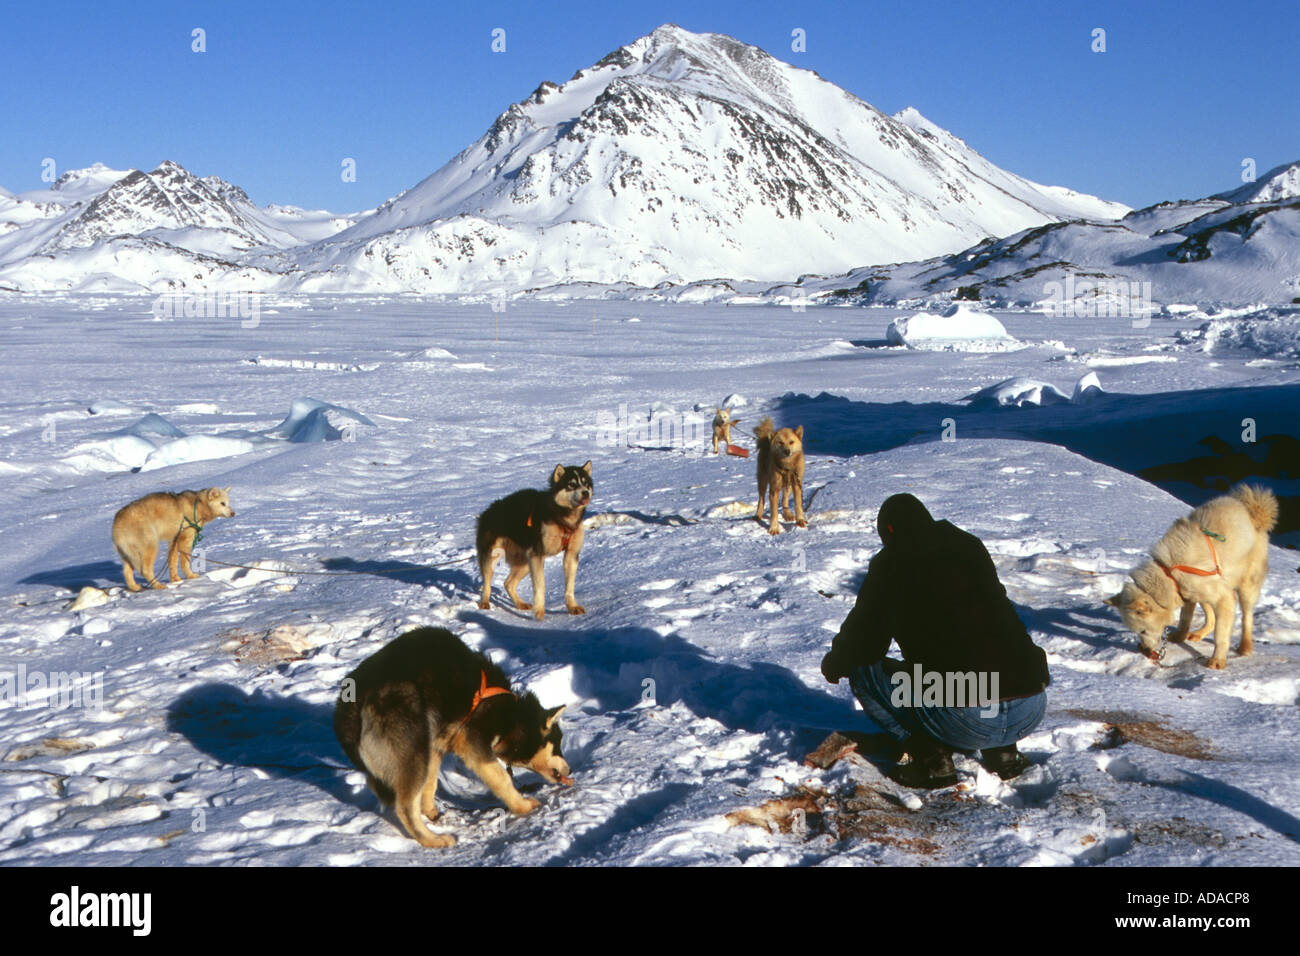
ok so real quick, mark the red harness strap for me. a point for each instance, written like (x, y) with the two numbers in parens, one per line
(566, 534)
(1190, 570)
(484, 692)
(480, 695)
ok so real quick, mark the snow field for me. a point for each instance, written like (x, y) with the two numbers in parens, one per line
(214, 743)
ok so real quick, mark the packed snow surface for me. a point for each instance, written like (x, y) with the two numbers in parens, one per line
(692, 683)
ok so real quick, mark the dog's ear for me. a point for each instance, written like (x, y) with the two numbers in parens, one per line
(557, 474)
(212, 494)
(226, 489)
(1114, 599)
(552, 715)
(587, 467)
(799, 431)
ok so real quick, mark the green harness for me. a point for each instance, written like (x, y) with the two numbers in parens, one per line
(187, 522)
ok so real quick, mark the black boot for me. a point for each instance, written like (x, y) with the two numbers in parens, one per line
(931, 767)
(1007, 762)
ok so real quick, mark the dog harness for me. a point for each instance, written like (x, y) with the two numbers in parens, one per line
(1201, 572)
(566, 534)
(187, 522)
(480, 695)
(484, 692)
(1168, 569)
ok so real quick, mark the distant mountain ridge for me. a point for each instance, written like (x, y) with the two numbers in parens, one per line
(678, 157)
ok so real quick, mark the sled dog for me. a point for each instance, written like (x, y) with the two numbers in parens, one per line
(721, 428)
(1216, 557)
(424, 695)
(165, 516)
(529, 526)
(780, 468)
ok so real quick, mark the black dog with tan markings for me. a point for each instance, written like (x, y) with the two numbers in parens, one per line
(426, 694)
(529, 526)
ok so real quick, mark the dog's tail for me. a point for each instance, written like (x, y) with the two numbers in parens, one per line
(764, 432)
(1261, 505)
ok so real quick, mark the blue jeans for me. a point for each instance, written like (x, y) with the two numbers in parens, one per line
(962, 728)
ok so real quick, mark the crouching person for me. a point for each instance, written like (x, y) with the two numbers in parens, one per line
(934, 590)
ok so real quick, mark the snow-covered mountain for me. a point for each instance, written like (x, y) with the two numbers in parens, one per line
(679, 157)
(127, 230)
(1277, 184)
(1235, 248)
(686, 156)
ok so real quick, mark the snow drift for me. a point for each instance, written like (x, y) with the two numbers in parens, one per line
(958, 329)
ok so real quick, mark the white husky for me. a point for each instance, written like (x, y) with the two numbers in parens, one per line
(1214, 557)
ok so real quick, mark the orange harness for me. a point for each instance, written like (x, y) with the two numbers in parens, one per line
(1209, 539)
(484, 692)
(566, 534)
(480, 695)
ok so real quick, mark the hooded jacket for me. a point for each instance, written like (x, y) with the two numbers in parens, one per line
(933, 589)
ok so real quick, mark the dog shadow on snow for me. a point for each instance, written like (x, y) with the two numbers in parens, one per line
(98, 574)
(445, 578)
(282, 736)
(292, 739)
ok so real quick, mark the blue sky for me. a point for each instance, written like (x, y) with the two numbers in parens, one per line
(1184, 92)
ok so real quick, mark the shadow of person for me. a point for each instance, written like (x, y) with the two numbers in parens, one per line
(1098, 627)
(619, 668)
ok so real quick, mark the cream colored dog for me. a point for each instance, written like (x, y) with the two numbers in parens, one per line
(1215, 557)
(722, 428)
(165, 516)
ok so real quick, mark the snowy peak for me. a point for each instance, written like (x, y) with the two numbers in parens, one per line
(684, 156)
(1277, 184)
(100, 229)
(707, 62)
(168, 199)
(676, 158)
(78, 185)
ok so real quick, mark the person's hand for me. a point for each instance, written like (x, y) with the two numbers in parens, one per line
(832, 668)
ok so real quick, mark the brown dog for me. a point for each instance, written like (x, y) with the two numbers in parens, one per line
(425, 695)
(780, 468)
(529, 526)
(164, 516)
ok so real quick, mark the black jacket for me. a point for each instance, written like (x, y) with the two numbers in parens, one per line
(934, 590)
